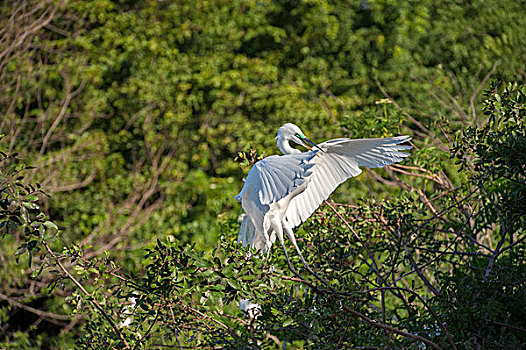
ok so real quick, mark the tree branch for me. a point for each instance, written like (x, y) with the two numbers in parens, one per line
(89, 297)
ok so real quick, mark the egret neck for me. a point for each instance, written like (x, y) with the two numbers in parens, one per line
(284, 146)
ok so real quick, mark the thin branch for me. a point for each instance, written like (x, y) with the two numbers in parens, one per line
(502, 239)
(371, 256)
(377, 324)
(74, 186)
(61, 115)
(371, 321)
(148, 331)
(49, 316)
(426, 305)
(89, 297)
(397, 106)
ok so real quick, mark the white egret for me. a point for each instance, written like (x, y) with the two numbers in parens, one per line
(281, 192)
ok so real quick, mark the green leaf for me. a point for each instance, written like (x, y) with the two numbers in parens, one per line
(24, 214)
(31, 198)
(248, 277)
(30, 205)
(228, 271)
(37, 272)
(288, 322)
(234, 284)
(50, 225)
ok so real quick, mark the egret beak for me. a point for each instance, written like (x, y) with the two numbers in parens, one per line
(308, 142)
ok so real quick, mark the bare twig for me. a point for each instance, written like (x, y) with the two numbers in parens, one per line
(75, 186)
(408, 116)
(49, 316)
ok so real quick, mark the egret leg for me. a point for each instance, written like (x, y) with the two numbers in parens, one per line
(290, 234)
(279, 232)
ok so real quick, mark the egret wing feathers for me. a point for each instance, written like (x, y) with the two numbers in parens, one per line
(248, 235)
(342, 159)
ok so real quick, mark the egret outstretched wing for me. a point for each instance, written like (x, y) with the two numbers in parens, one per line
(342, 159)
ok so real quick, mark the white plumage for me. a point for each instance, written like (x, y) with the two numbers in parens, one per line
(281, 192)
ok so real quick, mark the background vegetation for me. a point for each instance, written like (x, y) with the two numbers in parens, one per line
(131, 115)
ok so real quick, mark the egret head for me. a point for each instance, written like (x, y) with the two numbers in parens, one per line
(292, 132)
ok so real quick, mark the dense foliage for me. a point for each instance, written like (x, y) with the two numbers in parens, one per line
(133, 114)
